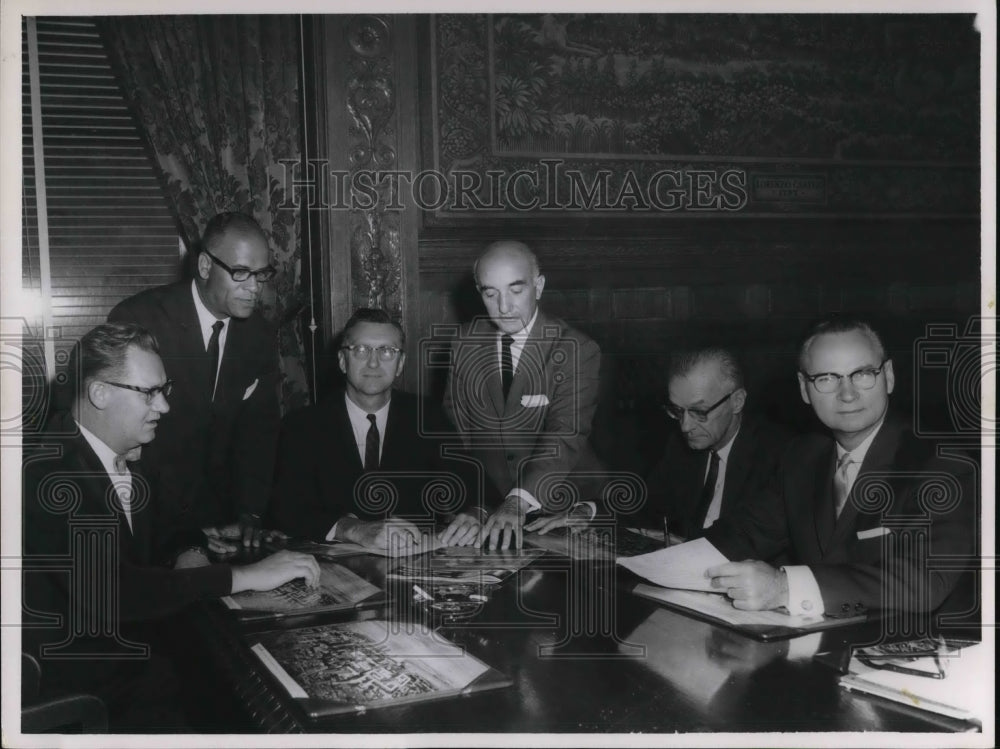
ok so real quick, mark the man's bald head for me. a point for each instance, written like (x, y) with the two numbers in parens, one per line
(509, 283)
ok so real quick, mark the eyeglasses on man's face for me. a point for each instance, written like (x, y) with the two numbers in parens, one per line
(698, 414)
(149, 393)
(829, 382)
(239, 275)
(362, 352)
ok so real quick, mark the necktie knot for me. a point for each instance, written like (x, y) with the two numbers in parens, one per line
(217, 327)
(371, 419)
(121, 464)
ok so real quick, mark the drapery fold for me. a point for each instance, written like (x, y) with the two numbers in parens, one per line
(218, 100)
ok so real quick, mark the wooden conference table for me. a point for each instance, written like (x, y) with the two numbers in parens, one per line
(584, 655)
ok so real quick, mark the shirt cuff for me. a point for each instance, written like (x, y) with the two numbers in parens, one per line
(332, 534)
(591, 507)
(804, 598)
(533, 504)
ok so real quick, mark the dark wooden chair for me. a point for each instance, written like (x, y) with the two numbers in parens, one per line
(83, 712)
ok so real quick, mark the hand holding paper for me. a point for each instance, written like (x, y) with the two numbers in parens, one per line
(682, 566)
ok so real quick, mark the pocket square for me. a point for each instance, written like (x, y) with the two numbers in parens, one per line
(249, 390)
(873, 533)
(534, 401)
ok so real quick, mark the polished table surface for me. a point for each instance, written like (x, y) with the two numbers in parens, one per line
(584, 655)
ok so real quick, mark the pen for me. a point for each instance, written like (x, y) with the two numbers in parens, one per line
(422, 593)
(666, 533)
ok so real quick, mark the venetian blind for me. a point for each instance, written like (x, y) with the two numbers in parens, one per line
(111, 233)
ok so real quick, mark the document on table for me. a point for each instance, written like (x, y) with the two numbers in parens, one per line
(680, 566)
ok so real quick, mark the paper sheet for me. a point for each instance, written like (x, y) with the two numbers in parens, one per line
(680, 566)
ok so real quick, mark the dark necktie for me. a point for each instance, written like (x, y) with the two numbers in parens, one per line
(707, 491)
(371, 445)
(213, 354)
(506, 365)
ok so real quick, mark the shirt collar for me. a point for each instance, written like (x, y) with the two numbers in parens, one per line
(357, 413)
(104, 453)
(858, 453)
(205, 318)
(723, 452)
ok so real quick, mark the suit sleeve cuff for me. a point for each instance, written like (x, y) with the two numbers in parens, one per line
(804, 598)
(533, 504)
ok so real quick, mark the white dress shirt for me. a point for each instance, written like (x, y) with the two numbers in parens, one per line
(360, 426)
(715, 508)
(803, 591)
(121, 481)
(205, 321)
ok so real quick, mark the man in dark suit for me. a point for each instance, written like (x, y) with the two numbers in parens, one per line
(713, 462)
(366, 463)
(522, 390)
(843, 506)
(213, 462)
(92, 559)
(720, 456)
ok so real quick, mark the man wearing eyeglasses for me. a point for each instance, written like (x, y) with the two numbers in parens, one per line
(94, 562)
(367, 465)
(835, 503)
(212, 464)
(719, 455)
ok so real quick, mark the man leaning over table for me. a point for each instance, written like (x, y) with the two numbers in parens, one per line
(358, 466)
(84, 474)
(522, 390)
(832, 503)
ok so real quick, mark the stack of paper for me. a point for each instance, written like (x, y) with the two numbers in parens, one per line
(682, 566)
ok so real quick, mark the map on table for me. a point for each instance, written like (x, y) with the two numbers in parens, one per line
(360, 665)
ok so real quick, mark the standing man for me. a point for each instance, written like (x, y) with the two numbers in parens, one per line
(522, 390)
(832, 505)
(361, 466)
(213, 461)
(86, 506)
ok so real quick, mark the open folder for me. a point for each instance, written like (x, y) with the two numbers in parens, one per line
(682, 584)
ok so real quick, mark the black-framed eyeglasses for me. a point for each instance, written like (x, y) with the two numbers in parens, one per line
(698, 414)
(862, 379)
(243, 274)
(361, 352)
(150, 393)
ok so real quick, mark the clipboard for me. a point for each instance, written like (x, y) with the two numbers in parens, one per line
(715, 608)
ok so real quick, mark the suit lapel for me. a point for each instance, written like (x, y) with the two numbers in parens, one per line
(823, 510)
(342, 432)
(529, 376)
(738, 466)
(142, 525)
(191, 361)
(881, 457)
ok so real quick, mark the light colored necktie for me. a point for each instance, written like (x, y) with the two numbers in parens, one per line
(842, 480)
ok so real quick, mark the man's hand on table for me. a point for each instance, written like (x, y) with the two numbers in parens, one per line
(751, 585)
(506, 524)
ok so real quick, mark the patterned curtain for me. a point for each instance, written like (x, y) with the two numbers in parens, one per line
(218, 99)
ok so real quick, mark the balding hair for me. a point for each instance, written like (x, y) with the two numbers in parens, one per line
(507, 246)
(683, 362)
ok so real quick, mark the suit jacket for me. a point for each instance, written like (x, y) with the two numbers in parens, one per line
(211, 460)
(69, 503)
(320, 478)
(539, 435)
(675, 483)
(896, 484)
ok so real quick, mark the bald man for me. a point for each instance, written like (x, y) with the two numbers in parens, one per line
(213, 461)
(522, 390)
